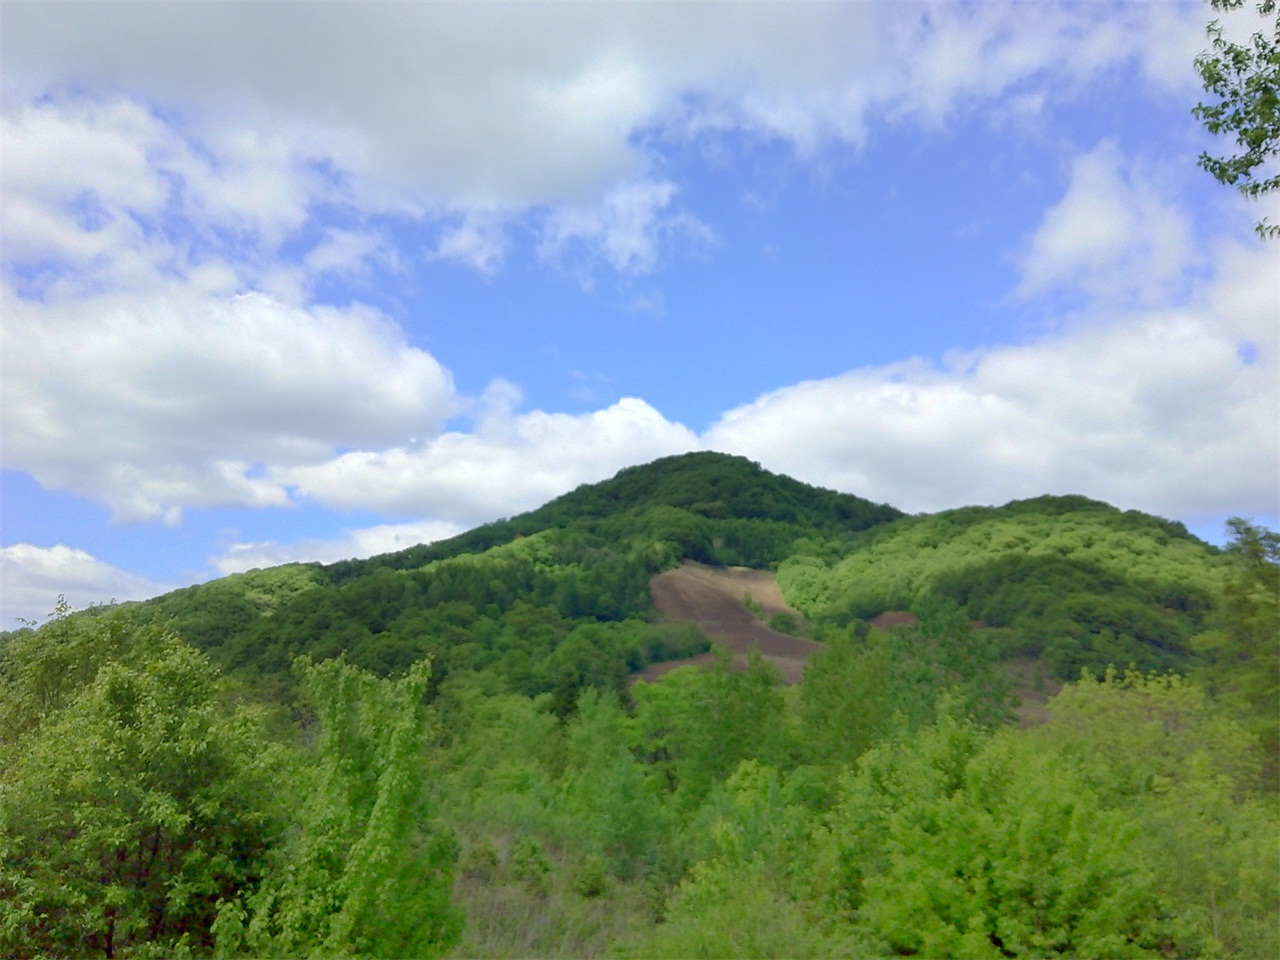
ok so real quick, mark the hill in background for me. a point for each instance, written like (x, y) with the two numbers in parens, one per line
(559, 598)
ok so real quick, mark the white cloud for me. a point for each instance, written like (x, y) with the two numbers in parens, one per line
(513, 462)
(951, 56)
(32, 578)
(348, 253)
(136, 369)
(353, 544)
(1159, 410)
(153, 403)
(477, 240)
(626, 229)
(1113, 236)
(451, 112)
(104, 193)
(521, 105)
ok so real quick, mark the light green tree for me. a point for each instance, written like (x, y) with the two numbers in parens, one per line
(614, 809)
(1158, 747)
(131, 809)
(693, 726)
(364, 874)
(953, 843)
(1241, 645)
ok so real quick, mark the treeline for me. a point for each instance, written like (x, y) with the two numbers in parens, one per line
(506, 596)
(715, 507)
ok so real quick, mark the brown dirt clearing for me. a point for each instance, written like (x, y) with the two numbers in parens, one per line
(712, 598)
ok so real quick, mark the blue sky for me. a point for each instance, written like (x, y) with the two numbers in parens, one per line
(307, 281)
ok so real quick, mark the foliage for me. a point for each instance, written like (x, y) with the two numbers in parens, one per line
(365, 874)
(1241, 653)
(42, 671)
(529, 795)
(1003, 851)
(694, 726)
(136, 804)
(1246, 80)
(720, 911)
(868, 684)
(1157, 746)
(1081, 583)
(1117, 830)
(714, 494)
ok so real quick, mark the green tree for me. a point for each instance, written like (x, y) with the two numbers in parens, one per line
(957, 844)
(364, 873)
(616, 813)
(131, 811)
(42, 671)
(1157, 747)
(693, 726)
(1241, 646)
(1246, 80)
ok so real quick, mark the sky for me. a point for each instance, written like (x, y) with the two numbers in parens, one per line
(306, 281)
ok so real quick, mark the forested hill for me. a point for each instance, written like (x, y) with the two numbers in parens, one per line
(732, 510)
(553, 599)
(558, 598)
(1079, 582)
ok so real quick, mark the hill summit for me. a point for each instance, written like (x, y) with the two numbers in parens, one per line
(708, 486)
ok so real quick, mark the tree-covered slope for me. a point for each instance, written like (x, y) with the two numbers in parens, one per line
(717, 507)
(1080, 582)
(550, 600)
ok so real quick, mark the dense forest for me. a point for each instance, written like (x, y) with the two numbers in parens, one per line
(450, 751)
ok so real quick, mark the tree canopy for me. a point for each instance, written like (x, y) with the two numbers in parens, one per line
(1245, 79)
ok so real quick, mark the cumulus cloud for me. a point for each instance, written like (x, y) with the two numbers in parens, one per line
(155, 403)
(353, 544)
(145, 363)
(511, 463)
(1171, 410)
(477, 239)
(625, 230)
(350, 253)
(521, 105)
(32, 578)
(961, 55)
(472, 116)
(1113, 236)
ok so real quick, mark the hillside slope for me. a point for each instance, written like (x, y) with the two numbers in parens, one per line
(712, 598)
(560, 597)
(520, 596)
(1081, 583)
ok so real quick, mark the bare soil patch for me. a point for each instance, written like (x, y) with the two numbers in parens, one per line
(712, 598)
